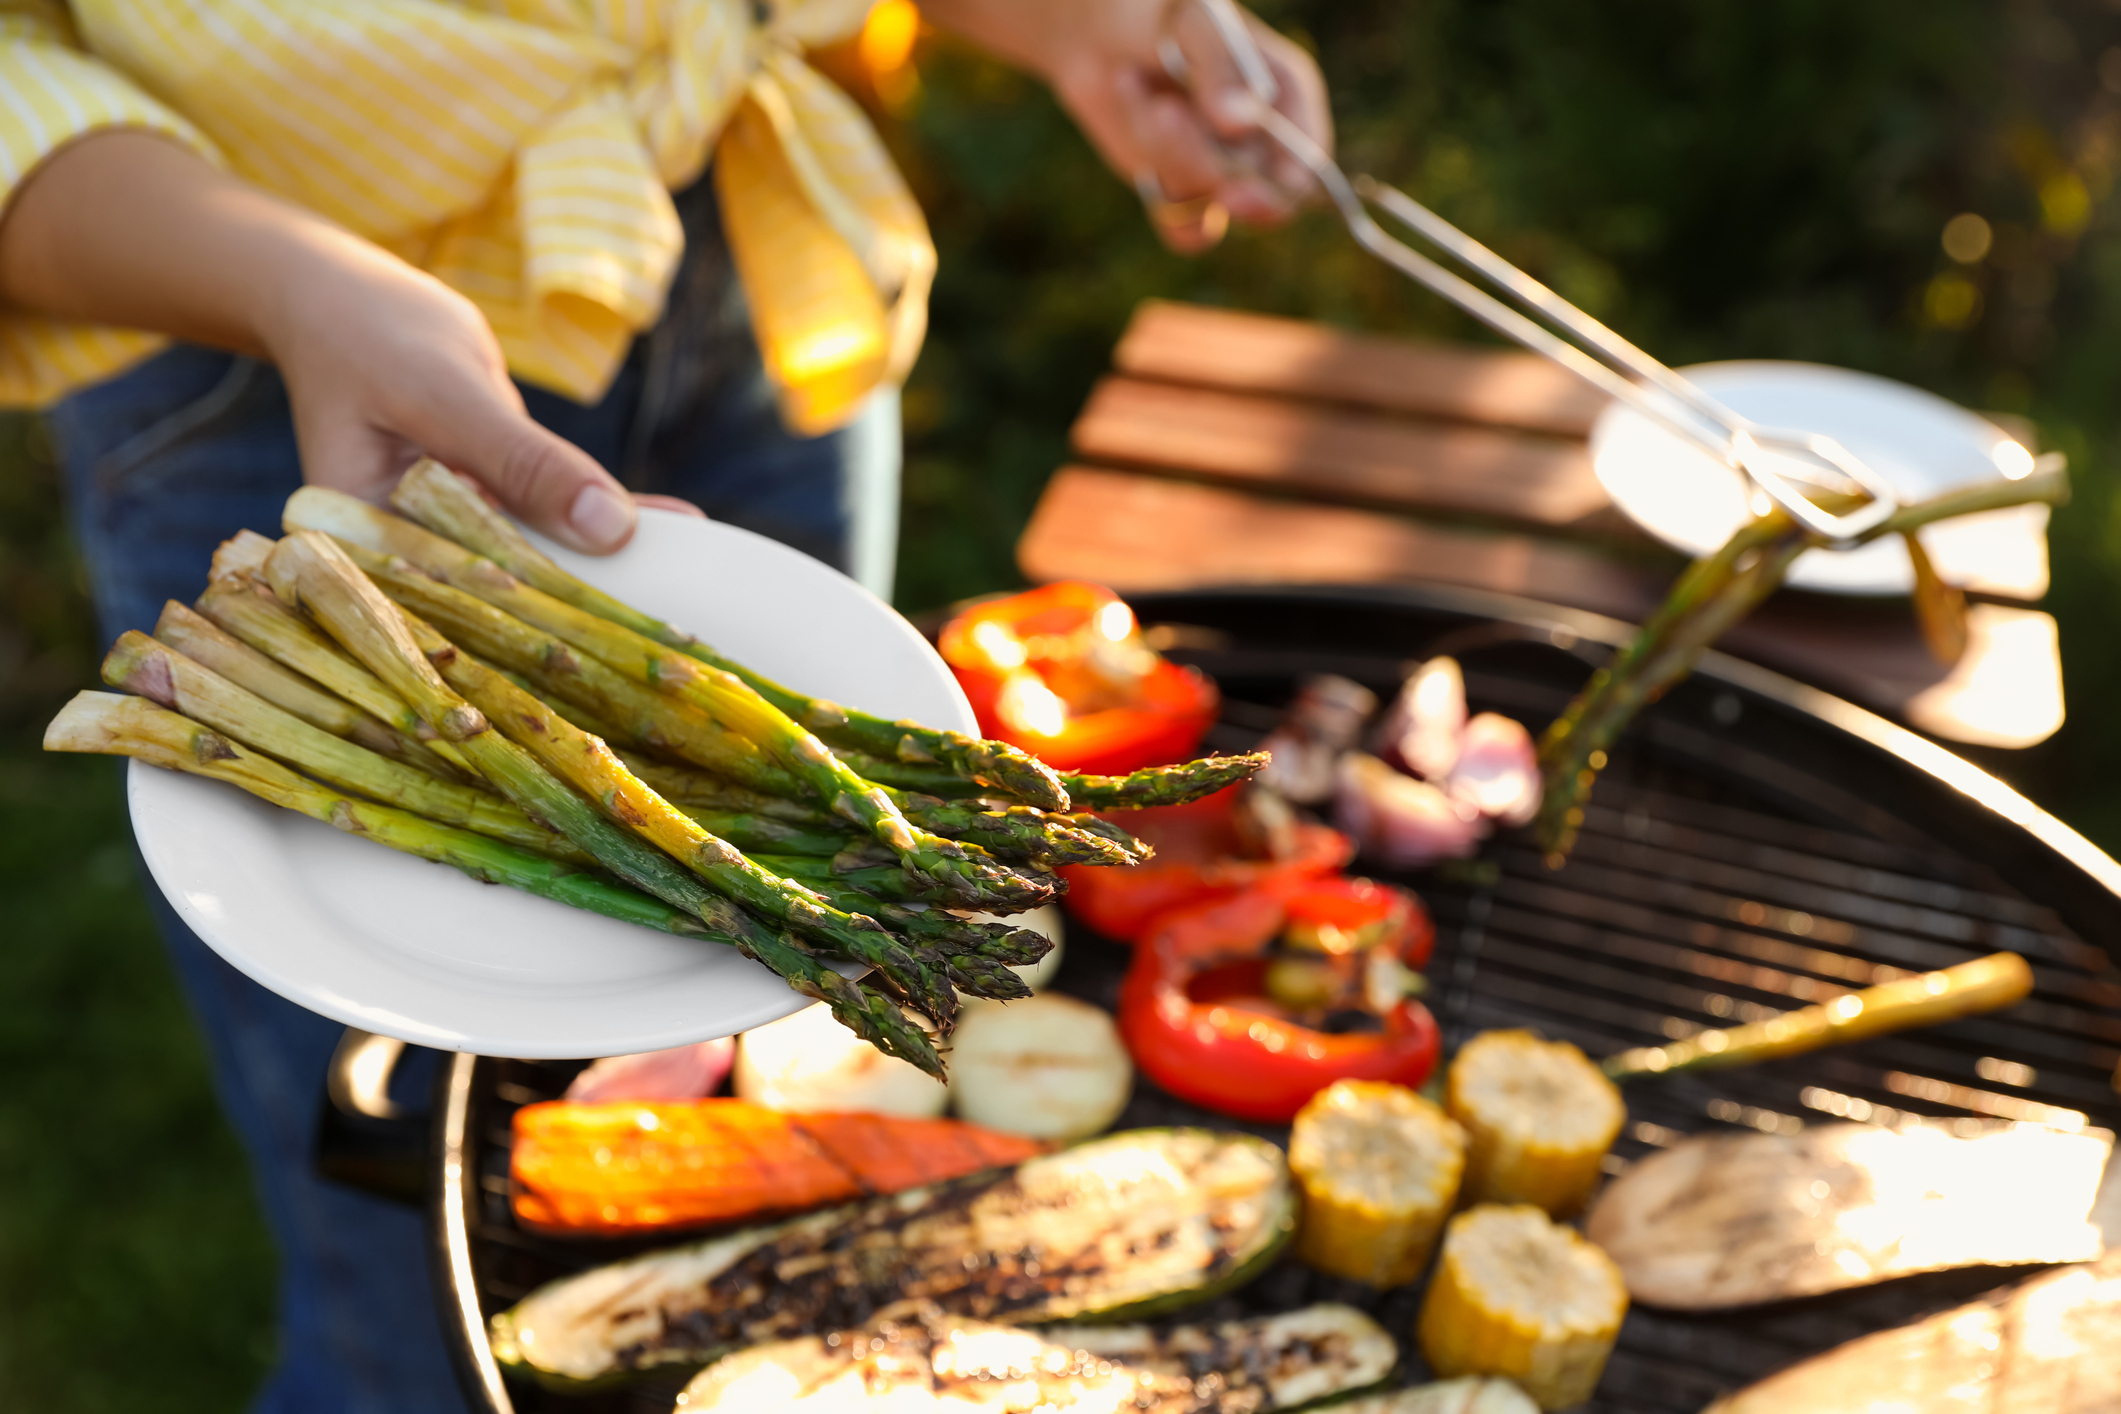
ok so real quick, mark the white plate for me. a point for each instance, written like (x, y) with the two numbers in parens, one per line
(1917, 441)
(398, 946)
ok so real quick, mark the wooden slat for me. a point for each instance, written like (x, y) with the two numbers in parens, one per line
(1327, 453)
(1329, 443)
(1140, 533)
(1220, 348)
(1147, 532)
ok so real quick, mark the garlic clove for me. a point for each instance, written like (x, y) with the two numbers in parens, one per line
(1497, 772)
(1325, 720)
(1427, 720)
(1400, 821)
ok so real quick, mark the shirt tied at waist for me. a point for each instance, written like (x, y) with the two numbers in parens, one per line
(523, 151)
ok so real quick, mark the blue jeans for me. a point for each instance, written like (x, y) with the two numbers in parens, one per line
(164, 462)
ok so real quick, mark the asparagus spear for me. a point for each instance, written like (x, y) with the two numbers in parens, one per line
(976, 956)
(583, 691)
(1152, 785)
(979, 966)
(448, 504)
(879, 881)
(1164, 785)
(586, 763)
(1016, 832)
(241, 556)
(979, 881)
(951, 936)
(108, 724)
(588, 721)
(1006, 831)
(928, 780)
(310, 570)
(713, 800)
(245, 608)
(1138, 851)
(1970, 989)
(1714, 594)
(204, 642)
(709, 791)
(753, 820)
(139, 664)
(635, 714)
(750, 832)
(1711, 596)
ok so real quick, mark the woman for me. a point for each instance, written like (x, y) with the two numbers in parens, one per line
(594, 254)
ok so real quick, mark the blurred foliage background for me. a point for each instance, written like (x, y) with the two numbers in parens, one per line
(1717, 178)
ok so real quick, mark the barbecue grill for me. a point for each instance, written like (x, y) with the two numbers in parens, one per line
(1755, 845)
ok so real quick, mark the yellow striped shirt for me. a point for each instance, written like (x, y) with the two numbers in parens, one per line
(523, 151)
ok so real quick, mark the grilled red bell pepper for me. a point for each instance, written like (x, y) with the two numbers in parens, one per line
(1194, 1014)
(1200, 856)
(1062, 671)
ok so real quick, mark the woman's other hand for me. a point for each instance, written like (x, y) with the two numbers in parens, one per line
(382, 362)
(1194, 149)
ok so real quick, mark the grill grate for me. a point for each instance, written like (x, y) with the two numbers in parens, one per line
(1729, 869)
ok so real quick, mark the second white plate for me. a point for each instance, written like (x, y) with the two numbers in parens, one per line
(414, 950)
(1919, 442)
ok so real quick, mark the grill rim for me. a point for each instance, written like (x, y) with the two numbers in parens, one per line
(2090, 878)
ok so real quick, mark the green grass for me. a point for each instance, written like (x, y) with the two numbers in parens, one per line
(134, 1268)
(1718, 178)
(133, 1263)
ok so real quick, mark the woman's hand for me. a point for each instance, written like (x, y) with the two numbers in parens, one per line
(382, 362)
(1195, 151)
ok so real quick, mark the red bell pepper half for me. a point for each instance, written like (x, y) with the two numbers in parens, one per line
(1199, 857)
(1194, 1013)
(1062, 672)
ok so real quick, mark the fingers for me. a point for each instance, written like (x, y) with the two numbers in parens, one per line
(543, 480)
(467, 414)
(669, 503)
(1177, 167)
(1302, 99)
(1185, 127)
(1211, 71)
(1262, 182)
(537, 477)
(344, 452)
(384, 364)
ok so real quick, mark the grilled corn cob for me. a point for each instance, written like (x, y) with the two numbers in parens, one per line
(1379, 1167)
(1516, 1294)
(1539, 1117)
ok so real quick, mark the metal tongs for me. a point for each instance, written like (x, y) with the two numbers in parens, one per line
(1780, 463)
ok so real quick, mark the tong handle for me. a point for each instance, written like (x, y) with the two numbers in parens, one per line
(1761, 455)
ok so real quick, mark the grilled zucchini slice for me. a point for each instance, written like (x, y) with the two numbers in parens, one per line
(1471, 1394)
(1129, 1225)
(922, 1361)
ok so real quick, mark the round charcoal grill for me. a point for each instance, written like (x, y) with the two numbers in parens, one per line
(1755, 846)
